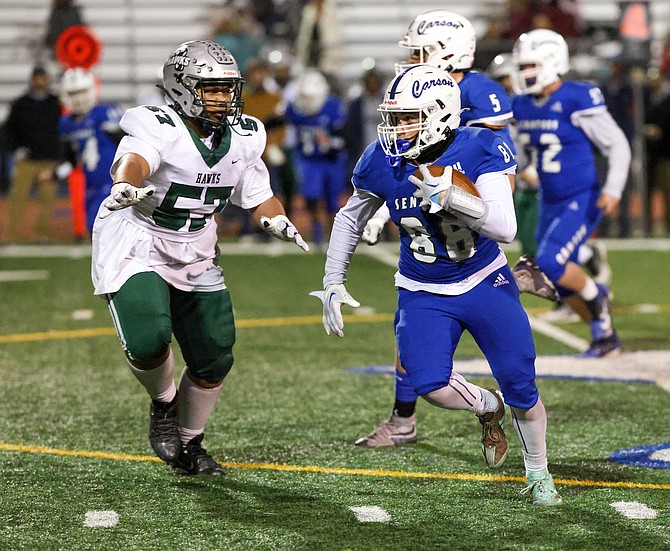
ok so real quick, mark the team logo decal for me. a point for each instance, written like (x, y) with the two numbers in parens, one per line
(179, 59)
(425, 26)
(652, 456)
(419, 87)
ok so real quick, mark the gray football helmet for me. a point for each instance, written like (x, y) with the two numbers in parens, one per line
(193, 65)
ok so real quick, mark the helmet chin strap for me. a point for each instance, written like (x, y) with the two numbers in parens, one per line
(435, 151)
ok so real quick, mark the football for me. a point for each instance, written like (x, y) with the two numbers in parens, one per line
(458, 179)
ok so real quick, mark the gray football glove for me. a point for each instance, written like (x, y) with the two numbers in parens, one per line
(282, 228)
(123, 195)
(333, 297)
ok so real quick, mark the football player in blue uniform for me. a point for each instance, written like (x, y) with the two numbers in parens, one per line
(92, 132)
(447, 41)
(560, 122)
(318, 118)
(452, 274)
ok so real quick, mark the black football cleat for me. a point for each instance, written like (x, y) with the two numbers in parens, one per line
(194, 459)
(530, 279)
(163, 429)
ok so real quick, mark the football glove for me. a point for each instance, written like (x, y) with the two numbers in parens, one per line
(333, 297)
(373, 230)
(123, 195)
(429, 189)
(282, 228)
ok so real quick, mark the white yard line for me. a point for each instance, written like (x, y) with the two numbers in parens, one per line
(101, 519)
(371, 513)
(23, 275)
(634, 510)
(558, 334)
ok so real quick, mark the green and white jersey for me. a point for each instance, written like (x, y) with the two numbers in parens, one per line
(193, 181)
(173, 232)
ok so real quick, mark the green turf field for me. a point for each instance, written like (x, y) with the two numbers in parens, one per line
(74, 422)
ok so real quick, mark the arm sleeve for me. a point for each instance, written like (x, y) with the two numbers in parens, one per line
(500, 221)
(346, 233)
(607, 136)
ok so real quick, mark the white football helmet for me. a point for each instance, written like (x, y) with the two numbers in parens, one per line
(78, 91)
(312, 92)
(502, 67)
(433, 97)
(547, 52)
(197, 63)
(442, 39)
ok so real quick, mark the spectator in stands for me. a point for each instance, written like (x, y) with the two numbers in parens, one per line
(237, 30)
(32, 135)
(64, 14)
(618, 92)
(318, 43)
(665, 56)
(657, 133)
(363, 116)
(525, 15)
(262, 102)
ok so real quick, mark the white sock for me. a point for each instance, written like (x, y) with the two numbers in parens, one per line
(590, 290)
(458, 394)
(195, 406)
(531, 428)
(158, 381)
(584, 254)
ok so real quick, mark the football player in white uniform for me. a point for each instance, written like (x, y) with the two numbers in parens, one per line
(155, 258)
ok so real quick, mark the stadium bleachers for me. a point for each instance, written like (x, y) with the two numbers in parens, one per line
(139, 34)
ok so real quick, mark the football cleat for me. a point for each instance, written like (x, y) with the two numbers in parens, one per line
(494, 441)
(164, 430)
(601, 324)
(603, 348)
(530, 279)
(395, 431)
(194, 459)
(597, 265)
(541, 487)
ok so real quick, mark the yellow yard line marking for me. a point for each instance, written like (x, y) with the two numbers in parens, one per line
(332, 470)
(240, 324)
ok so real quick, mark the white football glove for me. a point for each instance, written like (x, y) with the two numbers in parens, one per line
(282, 228)
(333, 297)
(373, 230)
(429, 189)
(123, 195)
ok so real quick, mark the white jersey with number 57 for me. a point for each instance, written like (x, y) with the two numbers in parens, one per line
(193, 179)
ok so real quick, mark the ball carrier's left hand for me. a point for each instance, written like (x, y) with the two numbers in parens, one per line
(123, 195)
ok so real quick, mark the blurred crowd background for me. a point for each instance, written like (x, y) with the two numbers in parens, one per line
(622, 46)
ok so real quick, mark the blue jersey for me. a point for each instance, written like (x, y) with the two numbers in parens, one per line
(95, 149)
(432, 248)
(485, 102)
(330, 120)
(560, 150)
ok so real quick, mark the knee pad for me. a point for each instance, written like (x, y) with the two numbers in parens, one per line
(217, 370)
(148, 342)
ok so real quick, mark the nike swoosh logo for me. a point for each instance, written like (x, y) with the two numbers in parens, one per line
(235, 161)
